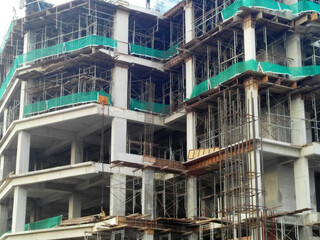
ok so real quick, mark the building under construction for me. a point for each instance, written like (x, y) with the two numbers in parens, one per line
(121, 122)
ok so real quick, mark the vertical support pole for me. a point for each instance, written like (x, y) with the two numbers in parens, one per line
(5, 121)
(117, 194)
(148, 192)
(121, 30)
(23, 152)
(23, 98)
(19, 209)
(4, 215)
(120, 86)
(74, 205)
(76, 151)
(249, 38)
(189, 19)
(118, 138)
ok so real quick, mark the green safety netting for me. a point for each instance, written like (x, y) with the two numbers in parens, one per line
(149, 106)
(8, 78)
(153, 53)
(296, 8)
(6, 37)
(253, 65)
(229, 73)
(233, 71)
(40, 53)
(44, 224)
(295, 72)
(81, 97)
(90, 40)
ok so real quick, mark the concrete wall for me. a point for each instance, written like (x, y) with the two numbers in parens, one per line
(287, 197)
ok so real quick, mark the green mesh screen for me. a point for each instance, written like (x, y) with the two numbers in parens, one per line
(253, 65)
(153, 53)
(44, 224)
(81, 97)
(91, 40)
(41, 53)
(295, 72)
(297, 8)
(47, 223)
(8, 78)
(149, 106)
(304, 6)
(200, 88)
(6, 37)
(233, 71)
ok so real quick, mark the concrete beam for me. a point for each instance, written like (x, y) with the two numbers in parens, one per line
(52, 174)
(132, 60)
(78, 231)
(71, 114)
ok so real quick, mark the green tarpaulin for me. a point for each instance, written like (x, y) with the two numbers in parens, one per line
(149, 106)
(295, 9)
(81, 97)
(153, 53)
(265, 67)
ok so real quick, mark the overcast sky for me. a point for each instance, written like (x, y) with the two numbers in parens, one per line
(8, 6)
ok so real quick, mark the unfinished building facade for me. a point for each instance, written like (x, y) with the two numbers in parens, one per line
(119, 122)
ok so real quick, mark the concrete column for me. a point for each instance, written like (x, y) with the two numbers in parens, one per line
(251, 91)
(302, 183)
(74, 205)
(191, 197)
(23, 152)
(249, 38)
(189, 20)
(118, 138)
(117, 194)
(4, 166)
(293, 46)
(298, 123)
(4, 215)
(19, 209)
(191, 116)
(29, 41)
(120, 86)
(148, 235)
(76, 151)
(23, 98)
(147, 192)
(5, 121)
(121, 30)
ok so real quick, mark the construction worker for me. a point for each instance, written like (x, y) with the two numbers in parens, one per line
(148, 4)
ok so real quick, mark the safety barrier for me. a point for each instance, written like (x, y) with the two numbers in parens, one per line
(149, 106)
(81, 97)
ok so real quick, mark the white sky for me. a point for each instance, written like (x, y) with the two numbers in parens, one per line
(7, 12)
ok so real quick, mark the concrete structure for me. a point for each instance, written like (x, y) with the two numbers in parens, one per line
(120, 122)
